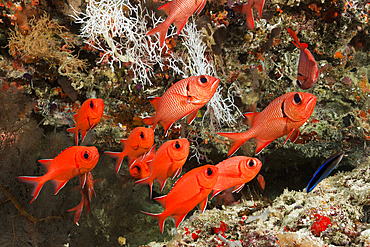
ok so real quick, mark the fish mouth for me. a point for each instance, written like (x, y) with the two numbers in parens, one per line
(311, 103)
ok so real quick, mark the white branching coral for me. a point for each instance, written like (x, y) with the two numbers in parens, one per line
(118, 30)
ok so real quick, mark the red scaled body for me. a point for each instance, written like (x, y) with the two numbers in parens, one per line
(87, 118)
(87, 191)
(178, 12)
(235, 172)
(308, 71)
(283, 116)
(247, 9)
(183, 98)
(70, 163)
(138, 143)
(168, 160)
(191, 189)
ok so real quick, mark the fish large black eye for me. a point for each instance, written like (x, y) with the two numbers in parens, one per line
(203, 80)
(91, 104)
(297, 98)
(209, 171)
(177, 145)
(86, 155)
(251, 163)
(142, 135)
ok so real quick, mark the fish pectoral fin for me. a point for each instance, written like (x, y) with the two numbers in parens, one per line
(190, 118)
(203, 204)
(238, 189)
(178, 219)
(293, 135)
(58, 185)
(261, 145)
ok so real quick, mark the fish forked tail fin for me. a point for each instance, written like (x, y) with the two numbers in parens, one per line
(36, 182)
(162, 30)
(78, 210)
(119, 158)
(74, 130)
(238, 140)
(160, 217)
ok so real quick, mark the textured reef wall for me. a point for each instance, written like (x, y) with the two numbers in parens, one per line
(49, 66)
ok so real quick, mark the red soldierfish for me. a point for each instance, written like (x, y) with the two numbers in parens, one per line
(235, 172)
(87, 191)
(183, 98)
(308, 71)
(139, 142)
(283, 116)
(191, 189)
(87, 118)
(178, 12)
(139, 169)
(168, 160)
(247, 9)
(70, 163)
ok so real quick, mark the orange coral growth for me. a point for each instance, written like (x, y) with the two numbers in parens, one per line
(338, 54)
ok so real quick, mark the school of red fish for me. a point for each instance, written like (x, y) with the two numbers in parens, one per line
(282, 117)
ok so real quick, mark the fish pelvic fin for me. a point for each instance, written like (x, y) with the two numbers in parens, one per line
(119, 158)
(160, 217)
(238, 140)
(37, 182)
(78, 210)
(293, 135)
(74, 130)
(162, 30)
(190, 118)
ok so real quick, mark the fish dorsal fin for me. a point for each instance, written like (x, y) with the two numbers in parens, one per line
(250, 117)
(166, 8)
(203, 204)
(155, 102)
(238, 189)
(178, 219)
(46, 163)
(58, 185)
(161, 200)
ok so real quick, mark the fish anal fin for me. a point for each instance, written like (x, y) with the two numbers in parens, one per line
(58, 185)
(200, 7)
(166, 126)
(166, 8)
(180, 24)
(36, 182)
(238, 188)
(155, 102)
(238, 140)
(119, 158)
(259, 7)
(160, 217)
(190, 118)
(261, 145)
(46, 163)
(203, 204)
(178, 219)
(161, 200)
(250, 117)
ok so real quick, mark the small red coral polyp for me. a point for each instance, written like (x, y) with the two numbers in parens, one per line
(321, 224)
